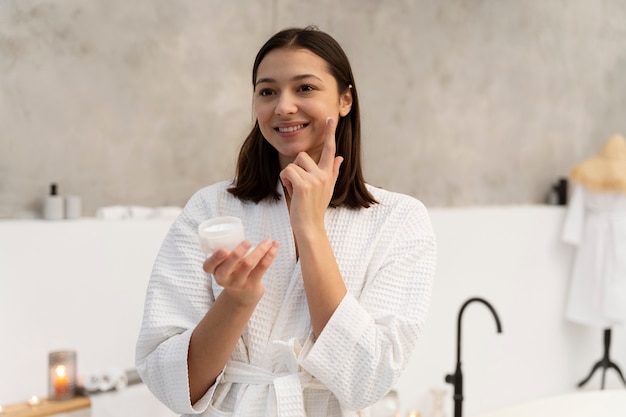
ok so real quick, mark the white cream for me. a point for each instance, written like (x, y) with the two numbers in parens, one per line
(216, 228)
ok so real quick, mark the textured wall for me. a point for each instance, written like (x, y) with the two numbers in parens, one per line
(464, 102)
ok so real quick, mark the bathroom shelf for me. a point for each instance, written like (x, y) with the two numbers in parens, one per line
(46, 408)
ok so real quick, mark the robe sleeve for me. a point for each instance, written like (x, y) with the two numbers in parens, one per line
(177, 297)
(573, 224)
(368, 341)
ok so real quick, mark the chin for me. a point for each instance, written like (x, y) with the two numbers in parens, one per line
(292, 151)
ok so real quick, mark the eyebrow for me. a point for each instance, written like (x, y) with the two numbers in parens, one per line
(296, 78)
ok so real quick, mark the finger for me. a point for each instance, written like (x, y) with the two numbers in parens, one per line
(214, 260)
(229, 263)
(303, 160)
(264, 263)
(336, 166)
(328, 152)
(287, 184)
(249, 263)
(297, 173)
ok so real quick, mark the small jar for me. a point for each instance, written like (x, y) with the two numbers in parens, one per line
(220, 232)
(62, 375)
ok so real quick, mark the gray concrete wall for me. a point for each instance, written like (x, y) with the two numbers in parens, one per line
(481, 102)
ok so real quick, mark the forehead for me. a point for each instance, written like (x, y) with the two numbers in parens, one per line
(291, 62)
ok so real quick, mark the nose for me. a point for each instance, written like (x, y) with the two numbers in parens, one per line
(285, 104)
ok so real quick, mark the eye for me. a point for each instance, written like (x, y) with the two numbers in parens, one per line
(265, 92)
(306, 88)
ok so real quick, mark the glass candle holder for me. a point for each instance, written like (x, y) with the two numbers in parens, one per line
(62, 375)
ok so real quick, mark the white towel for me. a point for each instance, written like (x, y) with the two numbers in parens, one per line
(137, 212)
(90, 383)
(113, 213)
(112, 379)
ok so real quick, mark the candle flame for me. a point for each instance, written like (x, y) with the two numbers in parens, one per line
(60, 371)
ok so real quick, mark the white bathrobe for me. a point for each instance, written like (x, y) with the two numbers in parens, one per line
(596, 223)
(386, 255)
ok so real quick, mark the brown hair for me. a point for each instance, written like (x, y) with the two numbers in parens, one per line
(258, 167)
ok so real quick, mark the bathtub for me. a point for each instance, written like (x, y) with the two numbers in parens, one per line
(608, 403)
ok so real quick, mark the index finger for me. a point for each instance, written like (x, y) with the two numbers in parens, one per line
(328, 152)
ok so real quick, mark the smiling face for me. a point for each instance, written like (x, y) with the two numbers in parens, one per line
(294, 94)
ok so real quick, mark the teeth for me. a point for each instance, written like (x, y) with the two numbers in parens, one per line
(290, 129)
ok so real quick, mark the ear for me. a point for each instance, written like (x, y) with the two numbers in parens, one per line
(345, 102)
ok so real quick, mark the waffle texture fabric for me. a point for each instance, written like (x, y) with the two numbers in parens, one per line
(386, 255)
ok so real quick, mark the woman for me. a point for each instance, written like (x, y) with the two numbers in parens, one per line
(325, 325)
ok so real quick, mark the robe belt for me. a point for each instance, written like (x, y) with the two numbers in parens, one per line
(288, 387)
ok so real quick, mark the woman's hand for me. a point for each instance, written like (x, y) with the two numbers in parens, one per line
(310, 185)
(240, 273)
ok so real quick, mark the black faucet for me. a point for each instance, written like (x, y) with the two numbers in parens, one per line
(457, 378)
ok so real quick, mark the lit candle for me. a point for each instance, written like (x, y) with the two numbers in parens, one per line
(34, 400)
(61, 381)
(61, 374)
